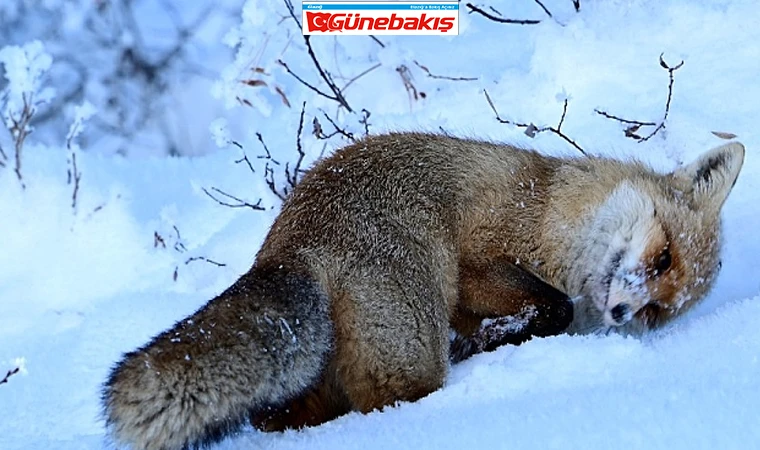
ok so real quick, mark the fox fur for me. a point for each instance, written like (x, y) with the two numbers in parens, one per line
(390, 243)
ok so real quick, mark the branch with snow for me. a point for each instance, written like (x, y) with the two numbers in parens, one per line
(634, 126)
(82, 113)
(25, 70)
(532, 130)
(337, 93)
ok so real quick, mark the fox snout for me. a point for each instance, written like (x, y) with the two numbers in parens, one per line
(627, 294)
(621, 314)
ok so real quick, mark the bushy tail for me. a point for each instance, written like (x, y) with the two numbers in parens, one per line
(260, 343)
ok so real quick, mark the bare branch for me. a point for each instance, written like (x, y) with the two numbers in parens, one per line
(293, 178)
(292, 11)
(203, 258)
(577, 5)
(269, 179)
(443, 77)
(337, 94)
(304, 82)
(475, 9)
(378, 41)
(266, 149)
(320, 134)
(622, 120)
(240, 203)
(671, 78)
(10, 373)
(178, 245)
(325, 76)
(158, 240)
(546, 10)
(247, 162)
(268, 171)
(365, 121)
(635, 125)
(20, 130)
(532, 130)
(3, 155)
(361, 75)
(406, 78)
(74, 176)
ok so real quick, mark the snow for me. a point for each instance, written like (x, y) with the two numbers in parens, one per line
(80, 287)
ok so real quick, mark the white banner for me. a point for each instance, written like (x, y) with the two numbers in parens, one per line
(439, 18)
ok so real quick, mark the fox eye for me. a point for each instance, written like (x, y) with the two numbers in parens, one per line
(663, 262)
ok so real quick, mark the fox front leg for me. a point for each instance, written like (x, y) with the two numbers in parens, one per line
(502, 303)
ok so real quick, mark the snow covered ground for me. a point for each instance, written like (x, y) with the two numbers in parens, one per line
(78, 289)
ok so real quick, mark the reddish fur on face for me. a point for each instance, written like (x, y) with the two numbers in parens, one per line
(663, 287)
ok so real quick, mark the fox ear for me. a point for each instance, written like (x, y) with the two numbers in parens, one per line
(709, 179)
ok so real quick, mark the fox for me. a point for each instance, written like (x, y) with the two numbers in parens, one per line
(395, 243)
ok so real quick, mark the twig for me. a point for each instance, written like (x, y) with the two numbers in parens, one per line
(240, 203)
(268, 171)
(292, 11)
(337, 94)
(532, 130)
(158, 240)
(325, 76)
(635, 125)
(361, 75)
(475, 9)
(406, 78)
(320, 134)
(247, 162)
(378, 41)
(10, 373)
(548, 13)
(293, 179)
(269, 179)
(365, 121)
(203, 258)
(74, 176)
(3, 156)
(671, 78)
(620, 119)
(19, 131)
(266, 149)
(178, 245)
(443, 77)
(304, 82)
(577, 5)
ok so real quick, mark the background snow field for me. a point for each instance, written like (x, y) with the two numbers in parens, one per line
(80, 286)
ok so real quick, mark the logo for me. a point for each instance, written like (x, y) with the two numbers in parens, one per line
(381, 18)
(321, 22)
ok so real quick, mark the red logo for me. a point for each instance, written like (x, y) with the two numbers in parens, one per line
(331, 22)
(319, 22)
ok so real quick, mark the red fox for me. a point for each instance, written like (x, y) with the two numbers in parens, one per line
(393, 241)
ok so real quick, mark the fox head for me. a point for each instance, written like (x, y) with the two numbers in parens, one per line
(655, 244)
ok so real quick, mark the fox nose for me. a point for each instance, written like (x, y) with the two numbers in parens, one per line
(621, 313)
